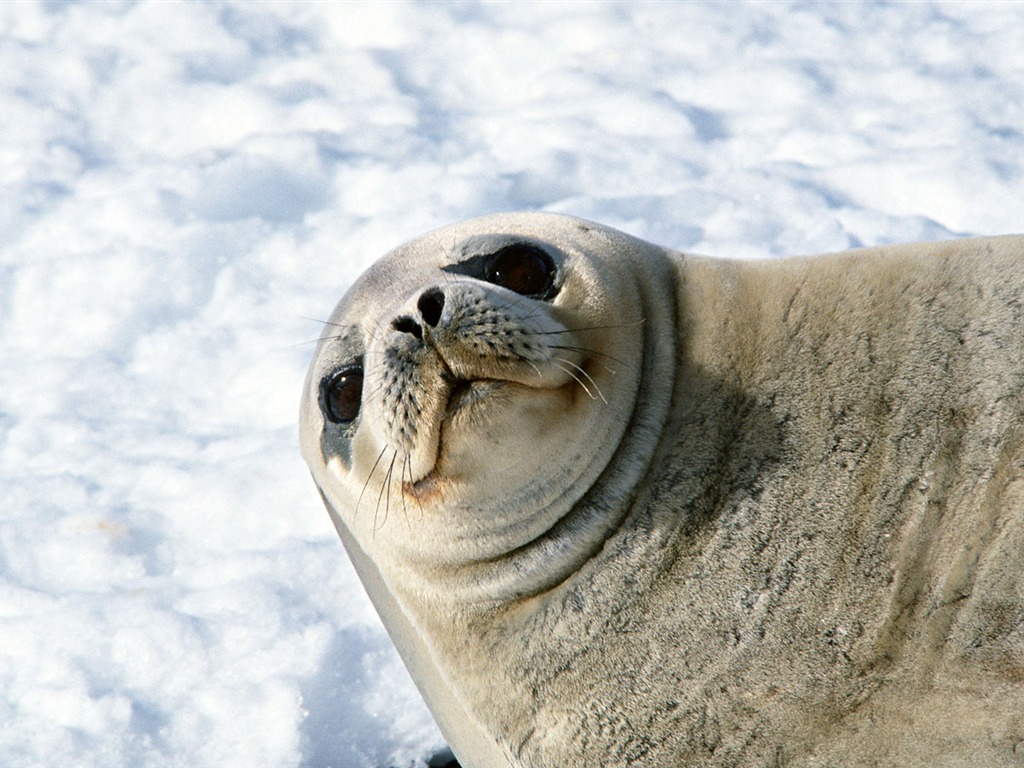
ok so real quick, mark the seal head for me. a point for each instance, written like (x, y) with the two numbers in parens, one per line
(478, 415)
(437, 412)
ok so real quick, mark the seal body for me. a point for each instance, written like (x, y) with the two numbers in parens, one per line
(621, 506)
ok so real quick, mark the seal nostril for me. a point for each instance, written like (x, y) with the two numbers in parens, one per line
(430, 305)
(406, 324)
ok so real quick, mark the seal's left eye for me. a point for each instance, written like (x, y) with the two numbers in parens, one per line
(341, 394)
(522, 268)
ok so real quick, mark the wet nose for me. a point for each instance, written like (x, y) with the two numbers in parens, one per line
(430, 305)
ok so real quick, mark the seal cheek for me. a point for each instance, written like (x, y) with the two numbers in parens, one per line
(505, 420)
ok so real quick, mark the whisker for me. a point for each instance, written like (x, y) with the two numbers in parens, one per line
(322, 338)
(322, 322)
(589, 378)
(588, 352)
(366, 483)
(313, 341)
(641, 321)
(577, 379)
(406, 465)
(385, 493)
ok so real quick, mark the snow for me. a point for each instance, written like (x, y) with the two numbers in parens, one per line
(184, 185)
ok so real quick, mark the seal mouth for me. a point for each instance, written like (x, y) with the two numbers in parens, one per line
(466, 393)
(466, 409)
(463, 396)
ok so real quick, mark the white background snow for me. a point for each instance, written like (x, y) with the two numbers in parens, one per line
(183, 184)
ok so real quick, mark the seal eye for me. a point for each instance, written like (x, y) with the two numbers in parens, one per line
(341, 395)
(521, 268)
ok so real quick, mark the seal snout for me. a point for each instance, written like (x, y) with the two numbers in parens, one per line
(430, 305)
(447, 361)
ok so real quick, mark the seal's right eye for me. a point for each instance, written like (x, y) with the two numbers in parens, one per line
(522, 268)
(341, 394)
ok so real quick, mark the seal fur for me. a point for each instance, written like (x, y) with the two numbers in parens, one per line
(674, 510)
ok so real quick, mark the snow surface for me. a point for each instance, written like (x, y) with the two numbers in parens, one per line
(183, 184)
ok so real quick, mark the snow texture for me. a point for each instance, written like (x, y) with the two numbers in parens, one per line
(183, 185)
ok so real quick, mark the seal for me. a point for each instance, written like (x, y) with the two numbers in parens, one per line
(622, 506)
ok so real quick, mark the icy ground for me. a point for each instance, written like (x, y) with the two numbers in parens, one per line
(183, 184)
